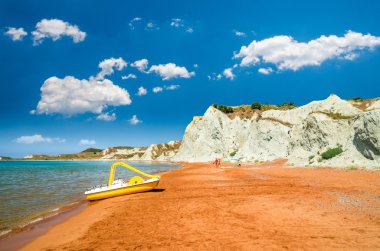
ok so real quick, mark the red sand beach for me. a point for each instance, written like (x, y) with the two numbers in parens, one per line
(262, 206)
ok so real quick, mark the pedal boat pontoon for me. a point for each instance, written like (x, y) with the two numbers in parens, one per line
(117, 188)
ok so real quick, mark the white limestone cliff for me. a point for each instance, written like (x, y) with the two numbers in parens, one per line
(157, 152)
(161, 152)
(301, 135)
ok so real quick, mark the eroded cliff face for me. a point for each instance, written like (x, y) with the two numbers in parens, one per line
(301, 135)
(155, 152)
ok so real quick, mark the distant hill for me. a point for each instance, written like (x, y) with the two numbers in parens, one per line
(92, 150)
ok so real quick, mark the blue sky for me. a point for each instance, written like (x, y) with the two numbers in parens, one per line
(188, 46)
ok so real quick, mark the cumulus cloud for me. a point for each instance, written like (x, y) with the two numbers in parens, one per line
(130, 75)
(170, 70)
(134, 120)
(16, 34)
(265, 71)
(55, 29)
(141, 64)
(107, 67)
(214, 76)
(166, 87)
(142, 91)
(171, 87)
(239, 33)
(87, 142)
(106, 117)
(38, 138)
(228, 73)
(70, 96)
(133, 21)
(151, 26)
(286, 53)
(179, 23)
(176, 22)
(157, 89)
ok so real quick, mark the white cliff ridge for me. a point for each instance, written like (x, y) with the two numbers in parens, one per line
(301, 135)
(155, 152)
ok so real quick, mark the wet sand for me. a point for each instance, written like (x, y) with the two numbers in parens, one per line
(19, 237)
(263, 206)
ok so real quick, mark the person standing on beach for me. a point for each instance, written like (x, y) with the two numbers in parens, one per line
(216, 162)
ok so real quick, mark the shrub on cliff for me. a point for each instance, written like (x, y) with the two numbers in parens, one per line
(256, 106)
(225, 109)
(357, 99)
(288, 105)
(332, 152)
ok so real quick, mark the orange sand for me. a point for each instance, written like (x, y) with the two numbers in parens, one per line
(200, 207)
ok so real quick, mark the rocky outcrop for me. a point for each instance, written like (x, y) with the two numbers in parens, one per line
(123, 152)
(367, 134)
(301, 134)
(159, 152)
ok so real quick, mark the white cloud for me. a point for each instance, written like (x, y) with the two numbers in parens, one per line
(151, 26)
(141, 64)
(130, 75)
(16, 34)
(133, 21)
(136, 19)
(214, 76)
(350, 56)
(55, 29)
(170, 70)
(288, 54)
(179, 23)
(70, 96)
(134, 120)
(176, 22)
(171, 87)
(239, 33)
(107, 67)
(106, 117)
(228, 73)
(265, 71)
(195, 65)
(142, 91)
(166, 87)
(38, 138)
(87, 142)
(157, 89)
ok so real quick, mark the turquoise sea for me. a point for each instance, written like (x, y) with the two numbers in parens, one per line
(31, 190)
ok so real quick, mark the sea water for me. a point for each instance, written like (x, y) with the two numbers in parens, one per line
(30, 190)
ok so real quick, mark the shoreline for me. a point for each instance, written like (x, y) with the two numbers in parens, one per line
(106, 160)
(268, 205)
(64, 208)
(19, 237)
(16, 238)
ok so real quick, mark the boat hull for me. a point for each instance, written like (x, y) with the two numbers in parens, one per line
(139, 188)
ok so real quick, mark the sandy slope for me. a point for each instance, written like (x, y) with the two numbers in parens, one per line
(263, 206)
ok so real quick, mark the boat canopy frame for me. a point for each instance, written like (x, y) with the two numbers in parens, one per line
(113, 171)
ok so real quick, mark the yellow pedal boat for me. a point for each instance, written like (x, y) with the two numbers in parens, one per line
(117, 188)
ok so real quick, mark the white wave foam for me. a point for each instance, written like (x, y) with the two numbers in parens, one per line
(5, 232)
